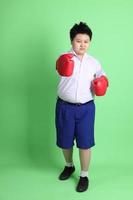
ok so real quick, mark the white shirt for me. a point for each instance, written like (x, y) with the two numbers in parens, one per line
(77, 87)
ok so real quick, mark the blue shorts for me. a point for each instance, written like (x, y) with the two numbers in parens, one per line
(75, 122)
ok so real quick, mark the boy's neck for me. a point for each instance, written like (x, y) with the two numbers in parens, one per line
(80, 57)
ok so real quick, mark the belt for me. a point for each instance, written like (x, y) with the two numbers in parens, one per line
(76, 104)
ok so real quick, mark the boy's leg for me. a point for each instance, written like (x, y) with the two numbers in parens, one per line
(68, 155)
(69, 167)
(85, 140)
(85, 156)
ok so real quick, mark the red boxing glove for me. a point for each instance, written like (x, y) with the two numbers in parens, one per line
(99, 85)
(64, 64)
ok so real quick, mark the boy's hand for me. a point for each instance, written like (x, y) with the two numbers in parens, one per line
(65, 64)
(99, 85)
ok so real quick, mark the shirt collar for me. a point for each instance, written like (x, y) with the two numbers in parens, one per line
(72, 51)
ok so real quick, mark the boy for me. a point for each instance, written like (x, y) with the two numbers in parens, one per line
(81, 77)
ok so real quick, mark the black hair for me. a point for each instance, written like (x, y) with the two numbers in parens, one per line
(80, 28)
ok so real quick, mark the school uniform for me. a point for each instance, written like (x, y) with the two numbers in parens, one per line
(75, 107)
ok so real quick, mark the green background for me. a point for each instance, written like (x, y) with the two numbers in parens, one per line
(32, 35)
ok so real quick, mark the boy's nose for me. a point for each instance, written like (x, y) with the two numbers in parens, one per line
(82, 46)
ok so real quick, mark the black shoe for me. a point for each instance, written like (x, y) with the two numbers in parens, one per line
(66, 173)
(82, 184)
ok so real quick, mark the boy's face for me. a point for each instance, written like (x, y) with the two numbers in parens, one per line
(80, 43)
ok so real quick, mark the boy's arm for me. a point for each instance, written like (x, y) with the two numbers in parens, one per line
(99, 71)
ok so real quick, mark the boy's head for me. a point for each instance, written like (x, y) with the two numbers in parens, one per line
(80, 28)
(80, 35)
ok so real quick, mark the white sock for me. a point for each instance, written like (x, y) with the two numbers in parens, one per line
(69, 164)
(84, 173)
